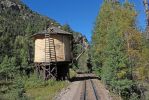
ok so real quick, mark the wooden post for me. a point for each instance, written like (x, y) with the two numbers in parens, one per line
(44, 73)
(37, 70)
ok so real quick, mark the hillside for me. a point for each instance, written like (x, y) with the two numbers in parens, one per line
(17, 20)
(17, 24)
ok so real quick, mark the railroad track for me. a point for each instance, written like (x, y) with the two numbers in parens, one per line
(89, 91)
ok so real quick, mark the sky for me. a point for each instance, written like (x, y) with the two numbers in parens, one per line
(79, 14)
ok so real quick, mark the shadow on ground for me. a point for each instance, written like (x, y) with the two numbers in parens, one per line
(82, 77)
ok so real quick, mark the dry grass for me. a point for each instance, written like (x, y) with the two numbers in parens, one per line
(38, 89)
(46, 92)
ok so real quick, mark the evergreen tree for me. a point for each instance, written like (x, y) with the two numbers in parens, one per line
(117, 49)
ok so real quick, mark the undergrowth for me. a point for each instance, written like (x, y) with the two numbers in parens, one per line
(38, 89)
(30, 88)
(72, 73)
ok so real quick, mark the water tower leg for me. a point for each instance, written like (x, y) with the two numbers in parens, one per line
(44, 73)
(37, 71)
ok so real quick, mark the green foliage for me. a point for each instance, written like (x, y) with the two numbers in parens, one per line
(67, 28)
(43, 89)
(119, 55)
(12, 90)
(134, 96)
(17, 25)
(81, 64)
(33, 82)
(72, 73)
(7, 67)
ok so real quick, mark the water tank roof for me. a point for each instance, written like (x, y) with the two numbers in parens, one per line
(53, 30)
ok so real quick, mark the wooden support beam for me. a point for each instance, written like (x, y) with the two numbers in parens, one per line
(46, 70)
(80, 55)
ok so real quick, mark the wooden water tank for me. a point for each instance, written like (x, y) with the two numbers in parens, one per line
(62, 42)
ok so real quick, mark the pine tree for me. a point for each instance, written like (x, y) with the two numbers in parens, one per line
(117, 47)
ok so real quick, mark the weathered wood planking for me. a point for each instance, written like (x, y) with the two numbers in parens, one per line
(62, 46)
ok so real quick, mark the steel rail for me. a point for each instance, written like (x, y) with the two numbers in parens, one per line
(84, 91)
(95, 91)
(84, 95)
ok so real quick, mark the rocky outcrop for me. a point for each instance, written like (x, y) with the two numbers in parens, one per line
(9, 4)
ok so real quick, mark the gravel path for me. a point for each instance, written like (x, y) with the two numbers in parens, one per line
(70, 93)
(102, 91)
(74, 91)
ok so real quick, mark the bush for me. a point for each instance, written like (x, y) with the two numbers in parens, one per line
(13, 91)
(134, 96)
(33, 81)
(72, 73)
